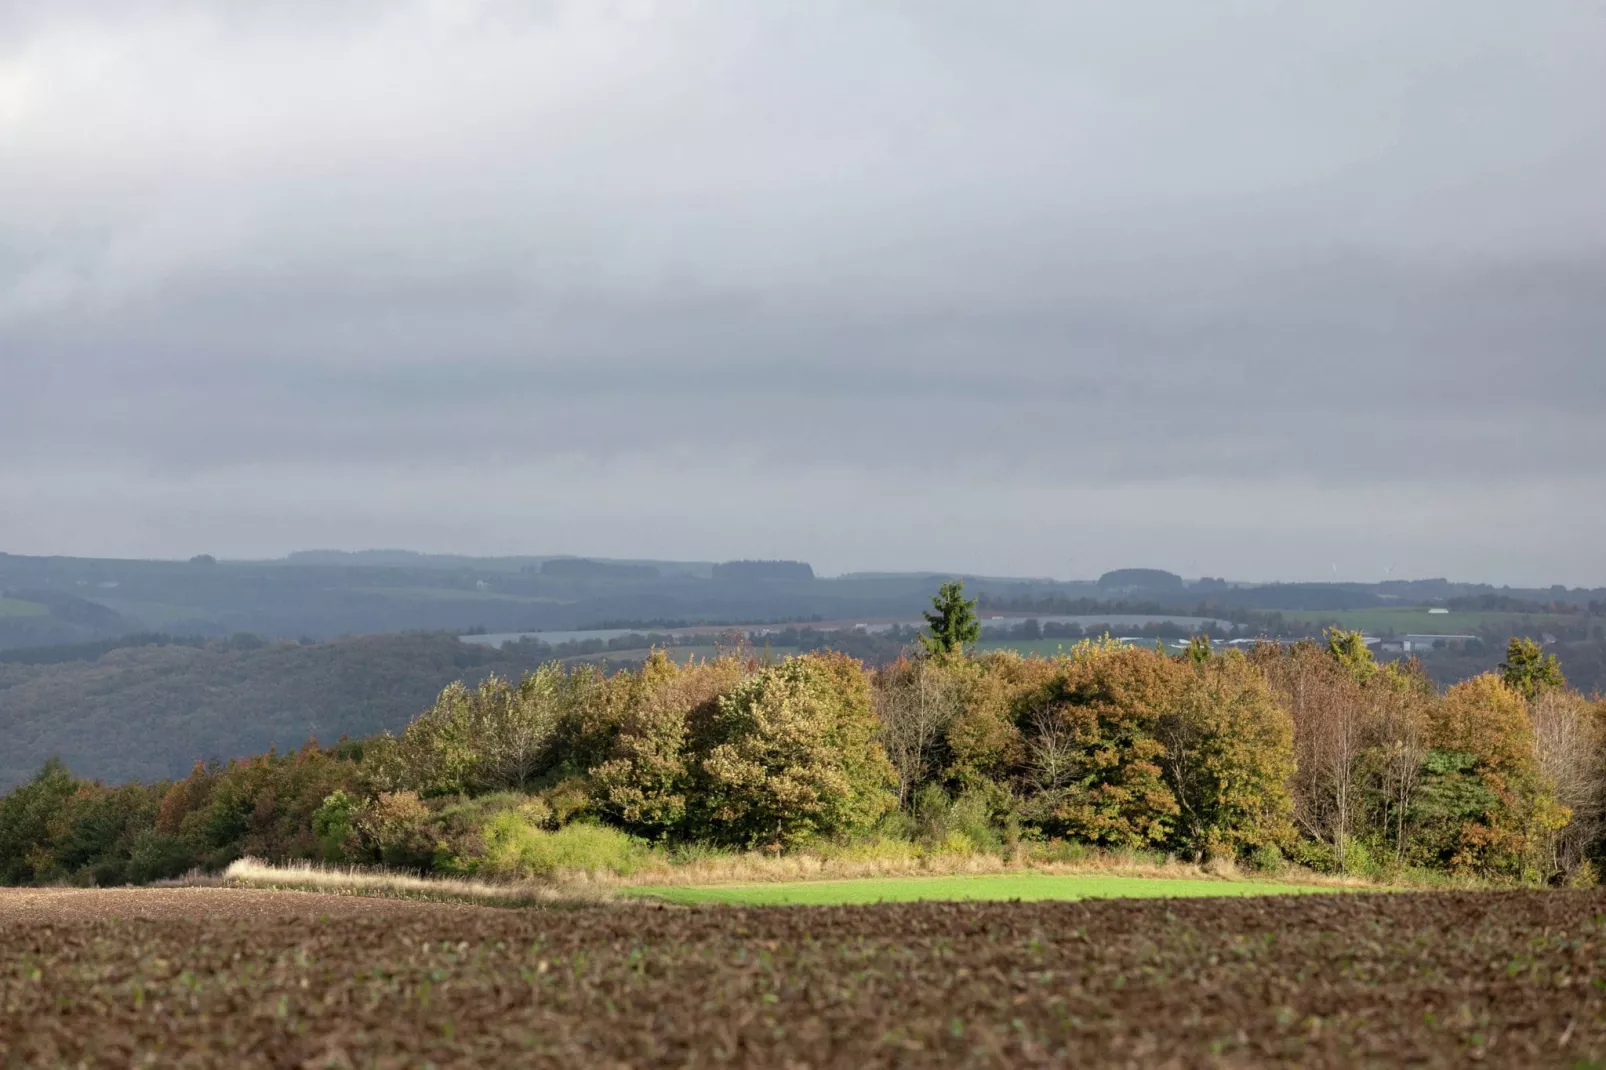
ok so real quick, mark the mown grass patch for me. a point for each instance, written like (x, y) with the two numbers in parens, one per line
(1029, 887)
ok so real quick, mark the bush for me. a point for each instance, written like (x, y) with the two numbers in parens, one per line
(1358, 859)
(396, 829)
(156, 856)
(1065, 852)
(1314, 855)
(957, 826)
(568, 800)
(334, 824)
(1266, 858)
(1584, 875)
(515, 848)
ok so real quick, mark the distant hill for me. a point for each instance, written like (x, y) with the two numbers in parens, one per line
(40, 617)
(1141, 580)
(585, 568)
(751, 571)
(1317, 597)
(153, 710)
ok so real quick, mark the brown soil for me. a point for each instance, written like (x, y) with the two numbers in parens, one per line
(50, 905)
(219, 977)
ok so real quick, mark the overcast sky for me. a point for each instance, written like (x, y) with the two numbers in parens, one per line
(1271, 290)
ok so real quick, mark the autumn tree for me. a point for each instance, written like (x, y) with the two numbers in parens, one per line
(1528, 670)
(496, 736)
(1570, 745)
(1349, 649)
(645, 782)
(791, 753)
(1400, 696)
(984, 743)
(1229, 756)
(1093, 747)
(1485, 807)
(916, 702)
(1323, 693)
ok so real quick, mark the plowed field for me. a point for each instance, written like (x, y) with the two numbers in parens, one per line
(227, 978)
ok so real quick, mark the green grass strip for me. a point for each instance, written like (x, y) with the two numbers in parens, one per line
(1023, 886)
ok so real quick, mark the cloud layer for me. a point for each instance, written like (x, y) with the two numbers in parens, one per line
(1271, 290)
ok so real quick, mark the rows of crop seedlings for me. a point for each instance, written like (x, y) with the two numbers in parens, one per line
(1514, 979)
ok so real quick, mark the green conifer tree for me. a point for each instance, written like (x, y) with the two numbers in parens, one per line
(952, 619)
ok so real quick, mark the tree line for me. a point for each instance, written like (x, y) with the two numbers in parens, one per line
(1313, 754)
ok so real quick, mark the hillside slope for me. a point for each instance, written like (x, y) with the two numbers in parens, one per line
(152, 711)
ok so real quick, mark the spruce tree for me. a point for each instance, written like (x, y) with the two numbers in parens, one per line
(952, 619)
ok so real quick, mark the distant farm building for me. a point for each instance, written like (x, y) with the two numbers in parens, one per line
(1421, 644)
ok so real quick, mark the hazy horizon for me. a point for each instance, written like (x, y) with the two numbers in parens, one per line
(820, 572)
(1264, 291)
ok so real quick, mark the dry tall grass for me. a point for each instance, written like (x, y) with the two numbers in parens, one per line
(347, 880)
(751, 868)
(756, 868)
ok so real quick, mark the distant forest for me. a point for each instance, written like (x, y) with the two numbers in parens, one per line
(321, 595)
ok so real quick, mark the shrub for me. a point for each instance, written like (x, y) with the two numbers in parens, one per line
(1066, 852)
(334, 824)
(515, 848)
(457, 823)
(568, 800)
(155, 856)
(959, 826)
(1266, 858)
(395, 829)
(1358, 859)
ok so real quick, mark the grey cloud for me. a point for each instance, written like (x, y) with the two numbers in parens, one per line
(1120, 251)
